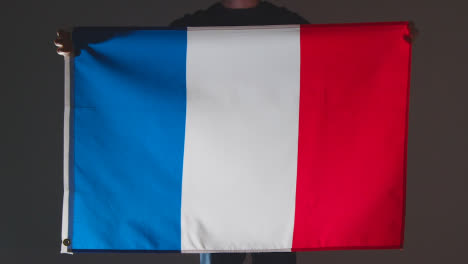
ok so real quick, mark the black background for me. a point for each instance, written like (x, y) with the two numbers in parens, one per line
(31, 98)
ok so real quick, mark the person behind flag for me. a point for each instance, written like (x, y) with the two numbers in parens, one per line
(231, 13)
(240, 13)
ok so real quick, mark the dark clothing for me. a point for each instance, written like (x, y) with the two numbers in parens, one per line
(217, 15)
(263, 14)
(256, 258)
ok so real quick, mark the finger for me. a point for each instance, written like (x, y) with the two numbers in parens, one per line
(413, 30)
(62, 51)
(65, 35)
(58, 42)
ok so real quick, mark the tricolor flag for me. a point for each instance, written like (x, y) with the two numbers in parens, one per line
(236, 139)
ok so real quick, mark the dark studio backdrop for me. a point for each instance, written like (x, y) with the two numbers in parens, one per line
(31, 104)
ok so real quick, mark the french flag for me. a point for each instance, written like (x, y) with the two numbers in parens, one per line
(236, 139)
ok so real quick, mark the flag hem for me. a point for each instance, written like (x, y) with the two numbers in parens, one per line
(405, 158)
(66, 151)
(386, 247)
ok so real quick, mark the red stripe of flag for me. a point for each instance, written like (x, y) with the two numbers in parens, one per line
(352, 136)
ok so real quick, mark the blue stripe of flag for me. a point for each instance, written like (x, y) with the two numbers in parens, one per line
(128, 140)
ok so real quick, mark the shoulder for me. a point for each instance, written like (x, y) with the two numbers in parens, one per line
(196, 18)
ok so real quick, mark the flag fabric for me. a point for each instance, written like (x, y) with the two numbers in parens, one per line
(236, 139)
